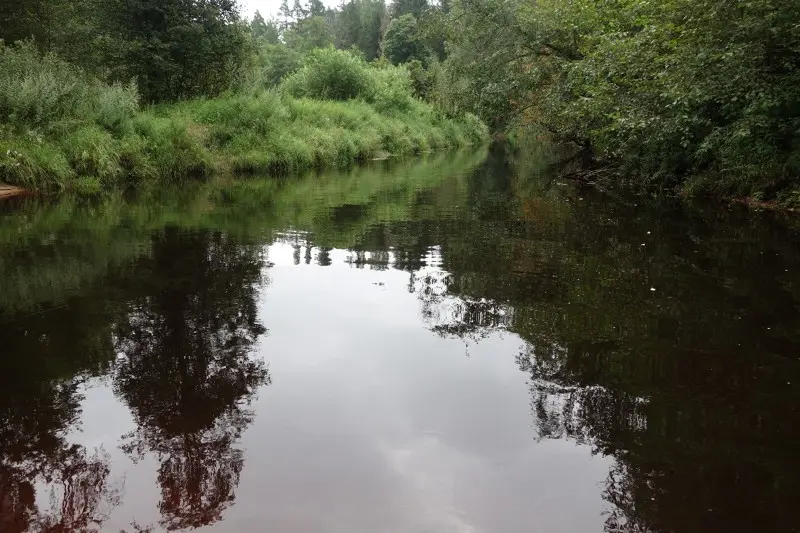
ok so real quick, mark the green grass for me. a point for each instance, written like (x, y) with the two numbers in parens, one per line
(60, 129)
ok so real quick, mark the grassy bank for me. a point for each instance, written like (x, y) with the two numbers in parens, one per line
(60, 129)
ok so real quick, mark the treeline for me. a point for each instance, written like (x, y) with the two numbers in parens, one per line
(172, 49)
(177, 49)
(104, 93)
(700, 94)
(407, 32)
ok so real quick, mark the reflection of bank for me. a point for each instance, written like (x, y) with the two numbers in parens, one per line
(686, 387)
(176, 334)
(80, 494)
(186, 371)
(48, 483)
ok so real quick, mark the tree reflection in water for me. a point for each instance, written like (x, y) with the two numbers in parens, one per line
(39, 405)
(684, 386)
(187, 372)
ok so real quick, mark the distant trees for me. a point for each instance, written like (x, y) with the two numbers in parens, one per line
(402, 42)
(265, 31)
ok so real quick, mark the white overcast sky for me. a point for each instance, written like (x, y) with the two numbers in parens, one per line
(270, 7)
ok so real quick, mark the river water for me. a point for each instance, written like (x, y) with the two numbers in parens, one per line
(453, 344)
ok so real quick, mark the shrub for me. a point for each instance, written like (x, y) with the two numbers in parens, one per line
(39, 91)
(330, 74)
(389, 88)
(275, 62)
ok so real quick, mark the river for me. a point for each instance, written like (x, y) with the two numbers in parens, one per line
(453, 344)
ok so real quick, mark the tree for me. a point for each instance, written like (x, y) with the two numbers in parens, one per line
(73, 29)
(360, 24)
(187, 375)
(276, 61)
(656, 91)
(408, 7)
(258, 26)
(402, 41)
(299, 12)
(266, 31)
(373, 20)
(177, 49)
(316, 8)
(40, 406)
(285, 15)
(308, 34)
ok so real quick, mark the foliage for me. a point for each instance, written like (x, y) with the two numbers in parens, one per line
(65, 130)
(308, 34)
(264, 31)
(360, 23)
(174, 49)
(662, 90)
(402, 42)
(177, 49)
(422, 79)
(274, 63)
(40, 93)
(277, 134)
(329, 74)
(415, 8)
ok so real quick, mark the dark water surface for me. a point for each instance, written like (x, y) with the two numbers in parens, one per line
(444, 345)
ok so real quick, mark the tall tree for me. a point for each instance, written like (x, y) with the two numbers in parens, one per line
(285, 15)
(406, 7)
(187, 374)
(316, 8)
(265, 31)
(402, 41)
(177, 49)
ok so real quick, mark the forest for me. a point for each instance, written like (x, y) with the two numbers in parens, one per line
(695, 97)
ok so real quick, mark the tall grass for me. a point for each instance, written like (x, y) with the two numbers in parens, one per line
(61, 129)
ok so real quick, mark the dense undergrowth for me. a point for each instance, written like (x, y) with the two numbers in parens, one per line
(698, 96)
(62, 129)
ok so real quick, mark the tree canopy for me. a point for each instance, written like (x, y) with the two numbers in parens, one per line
(659, 90)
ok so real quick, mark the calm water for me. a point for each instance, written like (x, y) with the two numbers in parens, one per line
(446, 345)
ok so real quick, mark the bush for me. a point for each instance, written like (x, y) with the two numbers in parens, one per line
(275, 62)
(389, 88)
(37, 92)
(330, 74)
(92, 151)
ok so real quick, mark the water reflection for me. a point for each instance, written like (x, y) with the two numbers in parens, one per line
(40, 401)
(657, 342)
(185, 369)
(672, 349)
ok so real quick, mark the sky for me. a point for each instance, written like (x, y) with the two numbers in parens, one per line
(270, 7)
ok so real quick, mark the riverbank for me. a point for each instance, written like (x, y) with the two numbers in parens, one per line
(266, 134)
(62, 130)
